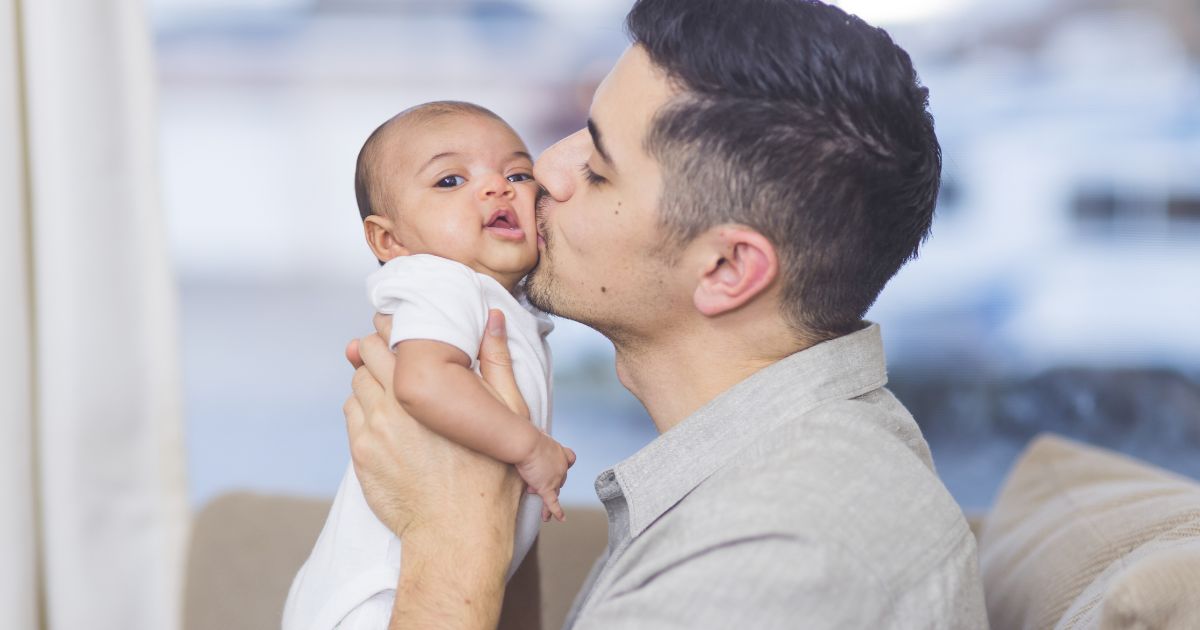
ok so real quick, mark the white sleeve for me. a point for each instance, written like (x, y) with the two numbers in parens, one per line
(373, 614)
(431, 298)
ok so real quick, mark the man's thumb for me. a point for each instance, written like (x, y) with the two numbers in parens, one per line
(495, 342)
(495, 363)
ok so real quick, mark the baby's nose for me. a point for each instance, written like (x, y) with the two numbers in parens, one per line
(496, 185)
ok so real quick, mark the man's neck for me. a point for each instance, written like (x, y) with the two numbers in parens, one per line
(679, 375)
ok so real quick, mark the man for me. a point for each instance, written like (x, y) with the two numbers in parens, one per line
(752, 174)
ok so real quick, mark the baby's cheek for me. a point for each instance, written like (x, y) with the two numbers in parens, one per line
(525, 206)
(458, 240)
(457, 229)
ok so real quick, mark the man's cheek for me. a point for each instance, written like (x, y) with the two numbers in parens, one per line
(569, 232)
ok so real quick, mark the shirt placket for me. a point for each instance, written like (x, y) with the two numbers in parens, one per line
(613, 497)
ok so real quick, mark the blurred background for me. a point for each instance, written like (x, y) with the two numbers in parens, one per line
(1060, 289)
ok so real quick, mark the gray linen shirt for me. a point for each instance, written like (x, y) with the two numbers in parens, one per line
(802, 497)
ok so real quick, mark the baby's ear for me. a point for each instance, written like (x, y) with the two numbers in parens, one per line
(382, 239)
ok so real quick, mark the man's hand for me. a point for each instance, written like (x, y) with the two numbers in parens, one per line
(455, 509)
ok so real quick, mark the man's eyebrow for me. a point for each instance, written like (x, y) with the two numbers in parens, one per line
(595, 131)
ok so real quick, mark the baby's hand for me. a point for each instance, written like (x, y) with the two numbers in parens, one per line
(545, 470)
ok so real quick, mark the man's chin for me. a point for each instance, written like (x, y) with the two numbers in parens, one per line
(539, 289)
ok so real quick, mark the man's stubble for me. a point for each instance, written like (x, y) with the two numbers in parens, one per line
(545, 290)
(539, 284)
(618, 322)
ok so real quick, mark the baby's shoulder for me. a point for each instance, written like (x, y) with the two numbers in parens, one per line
(422, 280)
(427, 269)
(428, 263)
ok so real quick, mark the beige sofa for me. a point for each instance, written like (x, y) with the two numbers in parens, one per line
(1079, 537)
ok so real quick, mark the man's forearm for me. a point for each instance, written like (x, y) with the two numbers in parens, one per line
(451, 583)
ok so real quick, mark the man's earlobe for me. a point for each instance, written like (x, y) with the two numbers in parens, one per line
(381, 239)
(743, 267)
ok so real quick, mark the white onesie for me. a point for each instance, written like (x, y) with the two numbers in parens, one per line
(349, 580)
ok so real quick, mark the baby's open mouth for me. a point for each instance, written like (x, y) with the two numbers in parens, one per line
(503, 219)
(504, 223)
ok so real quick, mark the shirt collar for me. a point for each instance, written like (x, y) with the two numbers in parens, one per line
(660, 474)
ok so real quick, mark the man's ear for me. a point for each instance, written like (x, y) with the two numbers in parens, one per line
(739, 265)
(380, 238)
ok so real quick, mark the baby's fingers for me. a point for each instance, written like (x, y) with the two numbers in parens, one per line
(550, 499)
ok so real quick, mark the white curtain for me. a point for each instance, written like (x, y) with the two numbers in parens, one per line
(93, 510)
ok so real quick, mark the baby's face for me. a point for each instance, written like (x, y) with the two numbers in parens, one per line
(464, 190)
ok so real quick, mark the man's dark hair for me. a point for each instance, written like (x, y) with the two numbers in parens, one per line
(801, 122)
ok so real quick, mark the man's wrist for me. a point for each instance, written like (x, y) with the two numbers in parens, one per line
(452, 579)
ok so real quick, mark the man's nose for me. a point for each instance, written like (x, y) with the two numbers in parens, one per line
(496, 185)
(557, 169)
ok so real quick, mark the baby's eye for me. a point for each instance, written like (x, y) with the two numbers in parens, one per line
(450, 181)
(520, 177)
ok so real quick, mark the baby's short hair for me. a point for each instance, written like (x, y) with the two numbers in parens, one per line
(369, 194)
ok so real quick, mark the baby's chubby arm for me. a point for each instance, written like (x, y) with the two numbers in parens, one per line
(435, 384)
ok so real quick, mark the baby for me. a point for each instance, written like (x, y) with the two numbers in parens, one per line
(446, 194)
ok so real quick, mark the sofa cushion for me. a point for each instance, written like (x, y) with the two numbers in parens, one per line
(1067, 538)
(1159, 588)
(245, 549)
